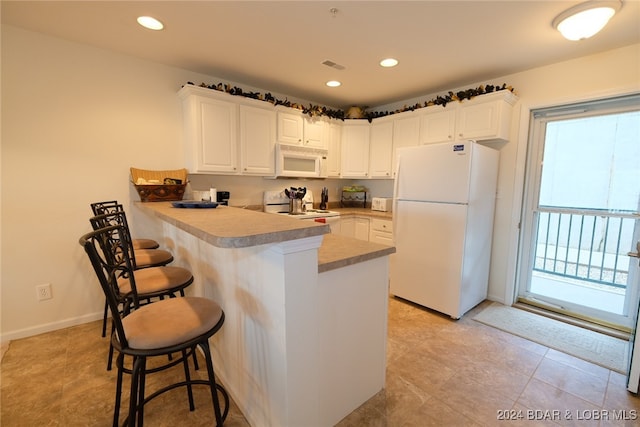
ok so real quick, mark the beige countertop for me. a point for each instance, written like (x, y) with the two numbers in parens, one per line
(340, 251)
(229, 227)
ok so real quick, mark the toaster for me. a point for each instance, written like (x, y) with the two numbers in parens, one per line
(382, 204)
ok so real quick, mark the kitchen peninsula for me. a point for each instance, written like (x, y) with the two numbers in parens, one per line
(304, 339)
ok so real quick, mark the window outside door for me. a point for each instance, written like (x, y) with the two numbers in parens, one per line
(581, 215)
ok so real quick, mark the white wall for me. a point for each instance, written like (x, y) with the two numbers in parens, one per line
(75, 118)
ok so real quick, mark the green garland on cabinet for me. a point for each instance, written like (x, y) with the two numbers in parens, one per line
(317, 110)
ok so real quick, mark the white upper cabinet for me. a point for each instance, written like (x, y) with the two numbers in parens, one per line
(355, 149)
(334, 146)
(294, 129)
(314, 130)
(226, 134)
(483, 118)
(486, 117)
(438, 124)
(380, 149)
(257, 140)
(210, 131)
(290, 127)
(406, 133)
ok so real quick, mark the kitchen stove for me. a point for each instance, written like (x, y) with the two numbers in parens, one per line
(277, 202)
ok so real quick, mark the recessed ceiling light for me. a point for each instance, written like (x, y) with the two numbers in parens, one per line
(333, 83)
(389, 62)
(150, 23)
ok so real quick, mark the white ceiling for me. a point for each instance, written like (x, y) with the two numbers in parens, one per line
(279, 46)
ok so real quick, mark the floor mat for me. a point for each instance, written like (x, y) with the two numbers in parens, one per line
(609, 352)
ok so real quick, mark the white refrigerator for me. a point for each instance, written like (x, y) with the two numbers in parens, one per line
(444, 199)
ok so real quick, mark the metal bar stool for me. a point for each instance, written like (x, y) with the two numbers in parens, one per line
(153, 282)
(174, 325)
(142, 258)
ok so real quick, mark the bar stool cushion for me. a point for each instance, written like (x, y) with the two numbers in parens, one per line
(152, 257)
(156, 279)
(170, 322)
(145, 244)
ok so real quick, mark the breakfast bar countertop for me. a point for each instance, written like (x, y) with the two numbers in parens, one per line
(229, 227)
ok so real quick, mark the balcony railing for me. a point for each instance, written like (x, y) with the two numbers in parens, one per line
(587, 245)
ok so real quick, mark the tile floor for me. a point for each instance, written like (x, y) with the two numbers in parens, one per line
(440, 372)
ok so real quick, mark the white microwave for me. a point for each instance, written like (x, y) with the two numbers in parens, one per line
(299, 161)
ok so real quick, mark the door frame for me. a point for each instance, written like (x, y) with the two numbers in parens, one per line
(523, 124)
(531, 192)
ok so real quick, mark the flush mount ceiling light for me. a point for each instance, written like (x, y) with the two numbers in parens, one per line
(333, 83)
(586, 19)
(150, 23)
(389, 62)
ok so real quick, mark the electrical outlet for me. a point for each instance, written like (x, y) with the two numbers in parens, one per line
(43, 292)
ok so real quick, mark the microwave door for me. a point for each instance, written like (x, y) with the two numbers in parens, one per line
(300, 166)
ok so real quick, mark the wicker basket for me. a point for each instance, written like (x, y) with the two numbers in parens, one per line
(160, 192)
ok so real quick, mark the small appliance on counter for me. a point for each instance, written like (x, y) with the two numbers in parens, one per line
(223, 197)
(382, 204)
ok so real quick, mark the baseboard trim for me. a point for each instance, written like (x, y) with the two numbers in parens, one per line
(5, 338)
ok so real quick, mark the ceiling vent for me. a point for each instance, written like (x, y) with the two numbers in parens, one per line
(333, 65)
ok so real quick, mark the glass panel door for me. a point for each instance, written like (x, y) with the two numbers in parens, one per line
(581, 216)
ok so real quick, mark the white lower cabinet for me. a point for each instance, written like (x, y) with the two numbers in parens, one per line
(347, 226)
(362, 229)
(353, 226)
(381, 231)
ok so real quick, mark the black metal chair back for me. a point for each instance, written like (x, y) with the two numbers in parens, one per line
(117, 218)
(111, 261)
(109, 206)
